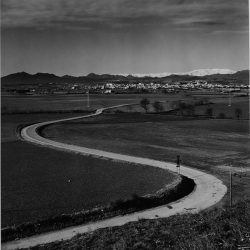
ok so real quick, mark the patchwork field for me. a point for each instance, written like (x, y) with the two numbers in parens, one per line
(224, 110)
(69, 102)
(213, 145)
(38, 182)
(41, 175)
(17, 104)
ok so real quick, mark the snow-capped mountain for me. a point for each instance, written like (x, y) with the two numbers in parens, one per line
(205, 72)
(152, 74)
(198, 72)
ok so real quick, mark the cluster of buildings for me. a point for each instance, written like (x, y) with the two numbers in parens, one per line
(170, 87)
(123, 87)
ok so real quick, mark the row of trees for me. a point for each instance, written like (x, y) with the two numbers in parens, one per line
(210, 113)
(181, 106)
(158, 107)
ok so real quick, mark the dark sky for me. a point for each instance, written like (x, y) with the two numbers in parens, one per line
(119, 36)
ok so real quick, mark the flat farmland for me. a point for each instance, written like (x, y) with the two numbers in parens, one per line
(66, 103)
(222, 108)
(15, 103)
(72, 102)
(43, 174)
(38, 182)
(10, 122)
(213, 145)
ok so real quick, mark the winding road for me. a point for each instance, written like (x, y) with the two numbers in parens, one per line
(208, 191)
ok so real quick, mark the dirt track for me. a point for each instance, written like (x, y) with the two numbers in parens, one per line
(209, 190)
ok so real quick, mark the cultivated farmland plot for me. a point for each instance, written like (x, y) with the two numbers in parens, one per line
(48, 182)
(15, 104)
(209, 144)
(213, 145)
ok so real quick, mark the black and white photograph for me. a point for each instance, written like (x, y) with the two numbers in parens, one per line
(125, 124)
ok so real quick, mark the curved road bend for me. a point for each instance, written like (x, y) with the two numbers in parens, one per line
(209, 190)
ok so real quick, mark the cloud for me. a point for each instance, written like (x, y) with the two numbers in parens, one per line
(121, 14)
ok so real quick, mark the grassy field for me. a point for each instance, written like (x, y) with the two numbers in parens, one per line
(35, 180)
(15, 104)
(219, 105)
(10, 122)
(222, 109)
(218, 229)
(213, 145)
(70, 102)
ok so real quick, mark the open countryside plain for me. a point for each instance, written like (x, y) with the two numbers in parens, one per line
(125, 125)
(213, 145)
(43, 175)
(110, 122)
(17, 104)
(208, 187)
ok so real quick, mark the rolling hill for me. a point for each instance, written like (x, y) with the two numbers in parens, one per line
(23, 78)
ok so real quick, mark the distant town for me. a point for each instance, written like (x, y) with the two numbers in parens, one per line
(43, 84)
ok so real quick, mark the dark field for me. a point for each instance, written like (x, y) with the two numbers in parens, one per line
(211, 141)
(10, 122)
(15, 104)
(35, 180)
(209, 144)
(220, 108)
(71, 102)
(212, 145)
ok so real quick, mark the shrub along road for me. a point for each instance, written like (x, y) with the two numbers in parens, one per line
(208, 191)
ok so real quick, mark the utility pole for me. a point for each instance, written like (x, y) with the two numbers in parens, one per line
(229, 99)
(178, 164)
(88, 99)
(231, 191)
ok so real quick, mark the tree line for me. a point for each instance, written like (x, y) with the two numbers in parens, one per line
(188, 108)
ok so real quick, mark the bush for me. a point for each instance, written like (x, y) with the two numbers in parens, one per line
(129, 108)
(209, 112)
(144, 104)
(118, 111)
(221, 116)
(190, 109)
(158, 106)
(238, 113)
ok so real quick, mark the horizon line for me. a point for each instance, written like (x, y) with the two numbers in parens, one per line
(129, 74)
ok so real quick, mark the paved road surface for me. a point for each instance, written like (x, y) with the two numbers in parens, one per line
(209, 190)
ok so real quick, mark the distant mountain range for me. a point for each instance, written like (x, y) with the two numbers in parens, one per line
(23, 78)
(206, 72)
(198, 72)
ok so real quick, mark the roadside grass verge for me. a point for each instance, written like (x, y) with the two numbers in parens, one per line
(227, 228)
(180, 188)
